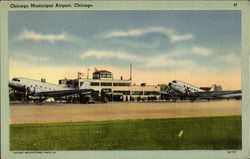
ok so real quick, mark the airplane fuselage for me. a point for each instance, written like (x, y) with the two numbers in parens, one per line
(195, 92)
(183, 87)
(34, 86)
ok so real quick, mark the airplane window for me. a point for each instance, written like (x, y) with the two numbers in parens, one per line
(174, 81)
(15, 79)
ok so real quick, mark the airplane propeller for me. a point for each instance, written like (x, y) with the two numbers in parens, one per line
(169, 90)
(187, 91)
(11, 91)
(25, 95)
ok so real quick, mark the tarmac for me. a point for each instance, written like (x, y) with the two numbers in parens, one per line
(64, 112)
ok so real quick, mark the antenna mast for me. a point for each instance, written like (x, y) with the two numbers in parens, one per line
(130, 73)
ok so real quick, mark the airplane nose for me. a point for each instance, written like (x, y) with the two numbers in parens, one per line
(11, 84)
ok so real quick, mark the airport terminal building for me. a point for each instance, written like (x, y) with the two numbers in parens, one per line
(103, 79)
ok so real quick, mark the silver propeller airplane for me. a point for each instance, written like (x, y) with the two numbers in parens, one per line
(194, 92)
(178, 89)
(41, 90)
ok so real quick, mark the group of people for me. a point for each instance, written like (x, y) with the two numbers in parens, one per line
(139, 98)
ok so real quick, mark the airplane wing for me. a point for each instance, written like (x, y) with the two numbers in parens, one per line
(61, 93)
(163, 92)
(171, 95)
(217, 94)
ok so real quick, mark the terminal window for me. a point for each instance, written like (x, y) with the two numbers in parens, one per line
(148, 93)
(96, 76)
(105, 76)
(137, 92)
(94, 84)
(121, 84)
(106, 84)
(123, 92)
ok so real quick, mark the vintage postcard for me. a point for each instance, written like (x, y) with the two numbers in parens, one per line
(124, 79)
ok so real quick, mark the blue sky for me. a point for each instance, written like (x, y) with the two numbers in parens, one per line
(166, 41)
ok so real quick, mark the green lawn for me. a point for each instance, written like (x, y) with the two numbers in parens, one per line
(150, 134)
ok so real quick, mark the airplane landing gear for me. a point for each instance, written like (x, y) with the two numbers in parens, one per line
(39, 101)
(105, 100)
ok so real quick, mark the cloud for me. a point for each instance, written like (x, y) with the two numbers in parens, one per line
(32, 58)
(194, 51)
(111, 54)
(166, 60)
(230, 59)
(201, 50)
(32, 35)
(163, 60)
(173, 36)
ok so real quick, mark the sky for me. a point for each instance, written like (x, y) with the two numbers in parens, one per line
(198, 47)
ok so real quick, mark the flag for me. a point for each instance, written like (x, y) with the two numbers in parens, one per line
(80, 74)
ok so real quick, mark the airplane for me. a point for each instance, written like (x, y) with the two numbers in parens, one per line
(42, 91)
(193, 92)
(170, 94)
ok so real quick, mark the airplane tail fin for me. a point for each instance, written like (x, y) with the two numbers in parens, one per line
(213, 88)
(85, 85)
(216, 88)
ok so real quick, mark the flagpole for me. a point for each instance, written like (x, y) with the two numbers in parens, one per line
(78, 79)
(88, 73)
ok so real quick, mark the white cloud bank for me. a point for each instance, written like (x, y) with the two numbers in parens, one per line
(164, 60)
(201, 50)
(230, 59)
(111, 54)
(173, 36)
(32, 35)
(24, 56)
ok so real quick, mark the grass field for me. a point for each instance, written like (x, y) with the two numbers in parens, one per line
(208, 133)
